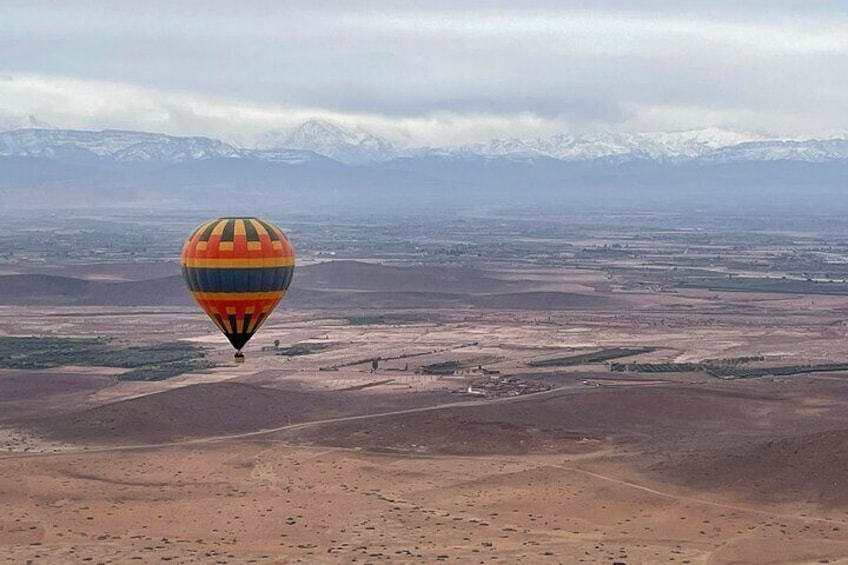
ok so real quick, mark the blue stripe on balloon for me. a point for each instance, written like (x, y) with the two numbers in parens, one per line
(263, 279)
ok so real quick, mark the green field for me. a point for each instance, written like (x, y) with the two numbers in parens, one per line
(443, 368)
(590, 358)
(147, 362)
(766, 284)
(303, 349)
(728, 370)
(387, 318)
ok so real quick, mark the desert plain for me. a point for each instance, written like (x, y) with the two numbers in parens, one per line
(603, 411)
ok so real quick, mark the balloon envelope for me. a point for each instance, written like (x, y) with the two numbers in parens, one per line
(238, 270)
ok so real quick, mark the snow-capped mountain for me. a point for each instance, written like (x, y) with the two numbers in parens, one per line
(56, 168)
(654, 146)
(324, 141)
(132, 147)
(331, 140)
(122, 146)
(176, 150)
(811, 151)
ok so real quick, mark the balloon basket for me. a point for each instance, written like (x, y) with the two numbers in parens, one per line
(239, 359)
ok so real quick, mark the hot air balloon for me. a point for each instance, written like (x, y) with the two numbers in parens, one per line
(238, 270)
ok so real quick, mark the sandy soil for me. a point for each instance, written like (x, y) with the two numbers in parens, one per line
(317, 459)
(273, 503)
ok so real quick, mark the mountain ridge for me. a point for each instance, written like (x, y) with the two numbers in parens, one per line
(327, 138)
(48, 168)
(315, 139)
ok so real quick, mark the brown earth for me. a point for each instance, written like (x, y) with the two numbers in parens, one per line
(17, 386)
(691, 469)
(448, 432)
(211, 409)
(135, 271)
(809, 467)
(664, 421)
(51, 290)
(26, 393)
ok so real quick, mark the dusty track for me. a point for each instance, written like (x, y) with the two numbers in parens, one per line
(253, 435)
(606, 478)
(300, 425)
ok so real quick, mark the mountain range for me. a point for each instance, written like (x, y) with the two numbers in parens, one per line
(32, 138)
(320, 163)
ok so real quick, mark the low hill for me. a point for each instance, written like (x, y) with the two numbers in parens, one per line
(212, 409)
(356, 275)
(50, 290)
(664, 417)
(339, 284)
(808, 467)
(191, 411)
(107, 272)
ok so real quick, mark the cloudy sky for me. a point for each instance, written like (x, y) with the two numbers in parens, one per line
(428, 72)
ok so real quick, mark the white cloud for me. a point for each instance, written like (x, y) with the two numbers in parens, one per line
(427, 73)
(85, 104)
(609, 34)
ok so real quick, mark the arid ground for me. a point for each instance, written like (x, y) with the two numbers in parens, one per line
(516, 416)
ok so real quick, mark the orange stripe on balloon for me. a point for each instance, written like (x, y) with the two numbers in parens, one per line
(238, 296)
(223, 262)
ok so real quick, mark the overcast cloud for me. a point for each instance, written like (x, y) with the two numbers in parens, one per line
(427, 72)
